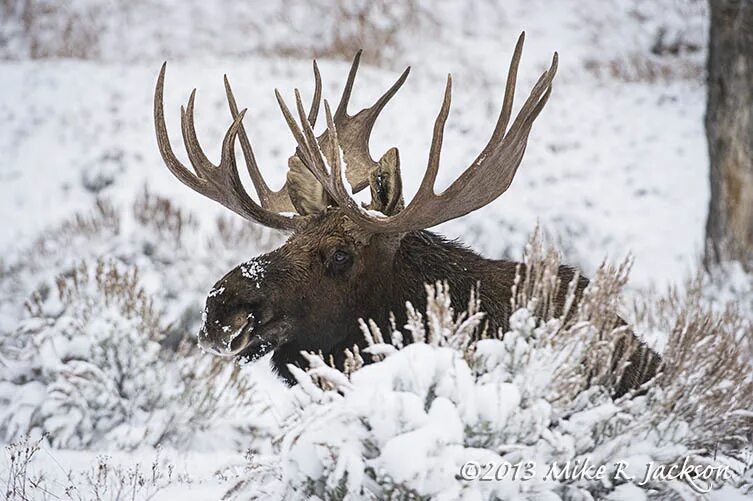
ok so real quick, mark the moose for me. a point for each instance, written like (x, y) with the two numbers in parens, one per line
(344, 261)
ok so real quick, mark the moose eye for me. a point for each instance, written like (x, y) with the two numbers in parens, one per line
(340, 261)
(340, 257)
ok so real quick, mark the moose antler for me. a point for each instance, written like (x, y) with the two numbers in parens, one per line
(484, 180)
(277, 201)
(222, 182)
(355, 131)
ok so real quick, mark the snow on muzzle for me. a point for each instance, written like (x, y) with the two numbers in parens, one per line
(231, 312)
(230, 339)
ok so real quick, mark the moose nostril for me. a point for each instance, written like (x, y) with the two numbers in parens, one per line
(238, 334)
(239, 342)
(229, 335)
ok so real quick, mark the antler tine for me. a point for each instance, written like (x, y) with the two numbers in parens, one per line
(292, 125)
(262, 189)
(311, 153)
(314, 110)
(221, 183)
(492, 173)
(432, 169)
(277, 201)
(196, 155)
(311, 160)
(342, 106)
(312, 145)
(533, 106)
(338, 186)
(512, 77)
(332, 180)
(379, 105)
(413, 216)
(163, 140)
(355, 130)
(376, 108)
(506, 111)
(337, 173)
(484, 180)
(228, 167)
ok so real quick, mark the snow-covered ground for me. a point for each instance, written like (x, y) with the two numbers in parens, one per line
(613, 166)
(616, 165)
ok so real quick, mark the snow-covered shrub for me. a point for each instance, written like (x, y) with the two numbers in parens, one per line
(178, 260)
(89, 353)
(88, 367)
(709, 342)
(56, 251)
(107, 480)
(102, 354)
(535, 398)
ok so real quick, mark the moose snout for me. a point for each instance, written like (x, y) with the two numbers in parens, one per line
(228, 337)
(238, 311)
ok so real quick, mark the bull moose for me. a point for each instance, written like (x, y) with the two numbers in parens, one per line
(344, 262)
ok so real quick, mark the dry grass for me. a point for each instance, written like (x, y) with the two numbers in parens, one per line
(55, 246)
(652, 41)
(103, 481)
(706, 380)
(379, 25)
(588, 326)
(159, 213)
(57, 29)
(639, 67)
(102, 220)
(108, 283)
(233, 233)
(38, 29)
(20, 484)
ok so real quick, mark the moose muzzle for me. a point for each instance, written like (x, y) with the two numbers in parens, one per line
(237, 318)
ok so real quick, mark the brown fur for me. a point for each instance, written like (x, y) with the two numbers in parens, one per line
(318, 306)
(342, 263)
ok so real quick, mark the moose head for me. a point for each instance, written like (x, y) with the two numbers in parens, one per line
(343, 261)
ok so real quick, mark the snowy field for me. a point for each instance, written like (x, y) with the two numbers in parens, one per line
(616, 165)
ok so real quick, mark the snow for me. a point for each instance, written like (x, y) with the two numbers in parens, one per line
(408, 423)
(194, 475)
(615, 165)
(611, 167)
(254, 270)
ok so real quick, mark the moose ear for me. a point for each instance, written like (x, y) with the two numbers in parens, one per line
(306, 194)
(387, 185)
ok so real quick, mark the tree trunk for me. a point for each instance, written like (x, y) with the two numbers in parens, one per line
(729, 130)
